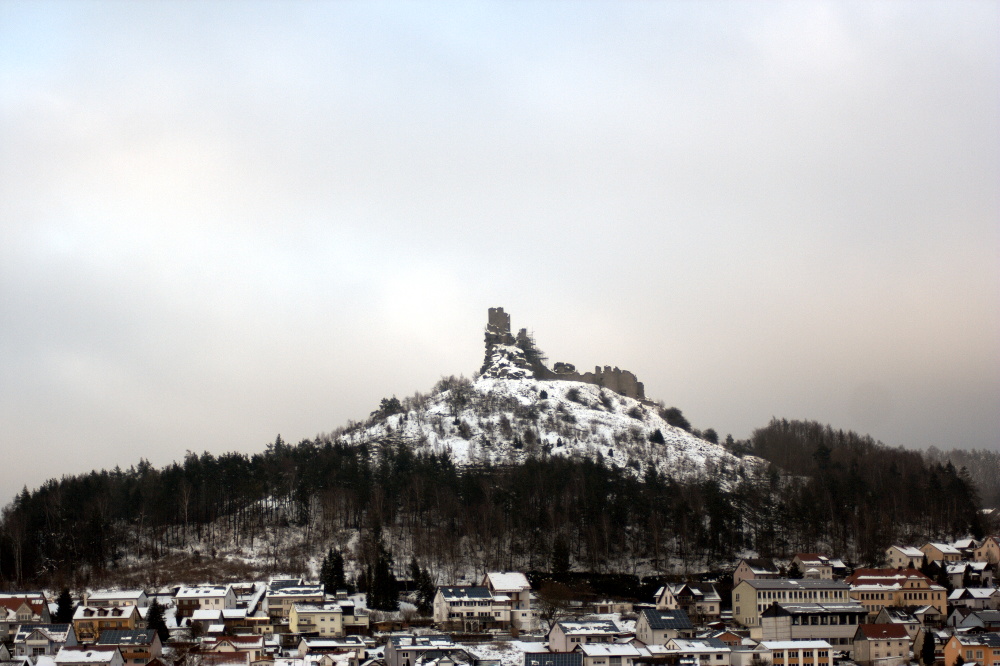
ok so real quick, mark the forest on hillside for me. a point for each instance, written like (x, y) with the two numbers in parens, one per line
(826, 490)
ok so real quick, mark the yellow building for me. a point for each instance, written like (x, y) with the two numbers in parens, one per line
(908, 588)
(90, 621)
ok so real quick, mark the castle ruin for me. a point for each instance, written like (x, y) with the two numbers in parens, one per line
(517, 357)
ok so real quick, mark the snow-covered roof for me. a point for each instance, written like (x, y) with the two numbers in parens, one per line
(611, 650)
(114, 595)
(206, 615)
(508, 581)
(910, 551)
(298, 591)
(84, 612)
(90, 654)
(591, 627)
(972, 593)
(791, 645)
(946, 549)
(699, 645)
(203, 591)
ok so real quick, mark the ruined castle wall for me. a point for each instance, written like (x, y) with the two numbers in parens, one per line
(498, 320)
(613, 379)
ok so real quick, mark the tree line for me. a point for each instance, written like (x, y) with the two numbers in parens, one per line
(824, 490)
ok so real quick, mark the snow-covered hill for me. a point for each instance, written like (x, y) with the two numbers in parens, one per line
(506, 421)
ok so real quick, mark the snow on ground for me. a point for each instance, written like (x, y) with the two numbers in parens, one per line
(506, 421)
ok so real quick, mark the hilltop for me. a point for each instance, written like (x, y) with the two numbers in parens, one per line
(507, 421)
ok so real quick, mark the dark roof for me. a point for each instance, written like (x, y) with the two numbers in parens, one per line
(25, 629)
(127, 637)
(553, 659)
(667, 619)
(989, 616)
(989, 639)
(761, 563)
(466, 592)
(778, 610)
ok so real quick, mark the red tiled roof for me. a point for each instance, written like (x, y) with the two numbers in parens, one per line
(881, 632)
(885, 575)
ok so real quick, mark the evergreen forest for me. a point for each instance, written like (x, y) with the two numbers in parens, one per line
(823, 490)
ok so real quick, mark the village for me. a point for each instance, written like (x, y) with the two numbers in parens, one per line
(936, 604)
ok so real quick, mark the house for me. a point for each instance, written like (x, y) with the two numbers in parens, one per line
(976, 598)
(656, 627)
(730, 638)
(203, 597)
(565, 635)
(403, 649)
(750, 569)
(324, 620)
(90, 655)
(283, 593)
(90, 621)
(16, 610)
(701, 651)
(904, 557)
(117, 598)
(351, 649)
(969, 574)
(610, 654)
(983, 620)
(940, 552)
(251, 646)
(33, 640)
(138, 646)
(988, 551)
(523, 615)
(747, 655)
(834, 623)
(882, 644)
(902, 617)
(813, 566)
(799, 653)
(983, 649)
(698, 600)
(753, 597)
(877, 588)
(471, 607)
(929, 616)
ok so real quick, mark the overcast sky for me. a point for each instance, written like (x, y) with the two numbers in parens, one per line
(225, 221)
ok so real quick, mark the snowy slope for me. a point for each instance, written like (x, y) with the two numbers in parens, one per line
(505, 421)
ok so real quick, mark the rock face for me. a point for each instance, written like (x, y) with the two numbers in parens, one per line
(508, 357)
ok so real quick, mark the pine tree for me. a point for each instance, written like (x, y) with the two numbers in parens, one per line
(154, 620)
(794, 572)
(560, 558)
(927, 649)
(64, 608)
(427, 591)
(337, 578)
